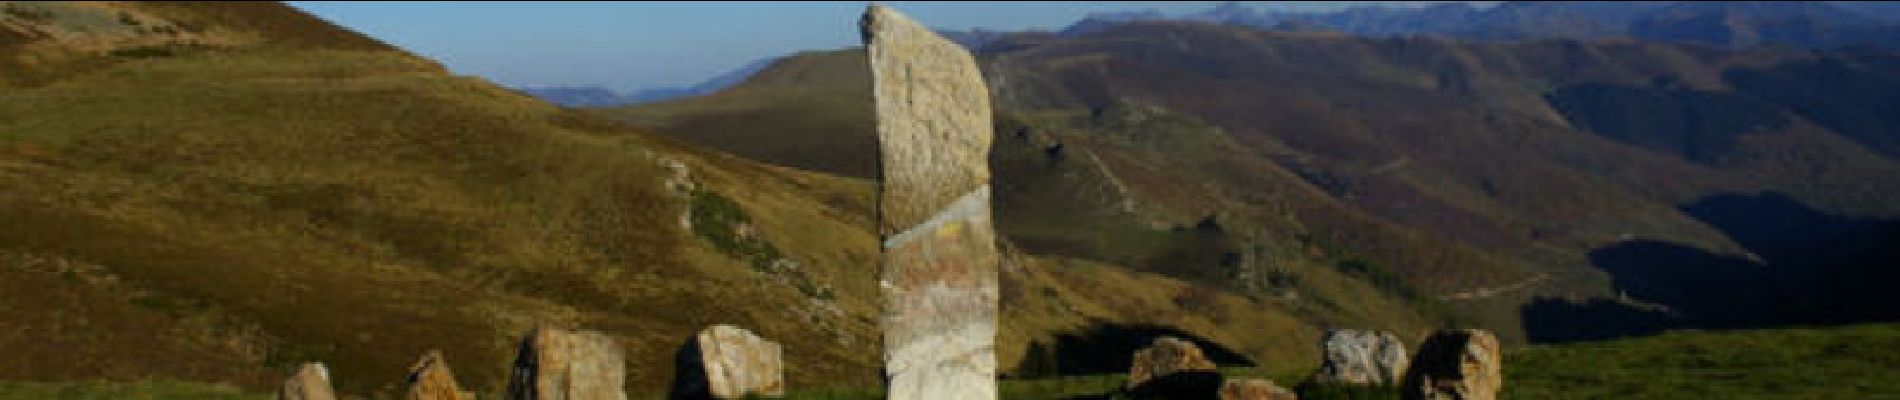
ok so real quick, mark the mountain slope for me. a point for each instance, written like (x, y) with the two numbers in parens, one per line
(223, 213)
(1356, 179)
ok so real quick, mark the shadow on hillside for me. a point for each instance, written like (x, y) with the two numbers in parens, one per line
(1185, 385)
(689, 373)
(1549, 320)
(1106, 348)
(1809, 267)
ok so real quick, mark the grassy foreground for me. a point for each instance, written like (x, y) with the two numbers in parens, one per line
(1853, 362)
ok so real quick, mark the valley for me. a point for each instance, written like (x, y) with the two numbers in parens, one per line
(200, 197)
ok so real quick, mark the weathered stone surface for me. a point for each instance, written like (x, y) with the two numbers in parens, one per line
(1254, 389)
(430, 379)
(1456, 364)
(939, 275)
(1362, 357)
(556, 364)
(1168, 355)
(933, 119)
(311, 382)
(728, 362)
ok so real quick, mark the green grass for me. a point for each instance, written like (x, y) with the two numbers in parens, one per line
(1853, 362)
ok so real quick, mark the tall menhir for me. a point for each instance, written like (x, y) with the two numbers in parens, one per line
(939, 263)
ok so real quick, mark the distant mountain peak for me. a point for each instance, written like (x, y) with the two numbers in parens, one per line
(598, 96)
(1732, 24)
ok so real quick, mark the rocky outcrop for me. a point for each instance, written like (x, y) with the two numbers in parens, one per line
(557, 364)
(1254, 389)
(430, 379)
(728, 362)
(1456, 364)
(311, 382)
(939, 274)
(1166, 356)
(1361, 357)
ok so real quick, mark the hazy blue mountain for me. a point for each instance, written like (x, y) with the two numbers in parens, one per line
(575, 96)
(1097, 21)
(1885, 11)
(1739, 24)
(598, 96)
(1732, 24)
(972, 39)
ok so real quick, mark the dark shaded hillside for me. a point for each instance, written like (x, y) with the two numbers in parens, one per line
(1699, 126)
(1856, 95)
(1804, 267)
(1468, 180)
(1411, 128)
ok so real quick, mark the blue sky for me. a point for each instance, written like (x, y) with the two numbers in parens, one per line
(632, 45)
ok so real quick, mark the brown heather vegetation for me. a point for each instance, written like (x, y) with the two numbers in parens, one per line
(223, 214)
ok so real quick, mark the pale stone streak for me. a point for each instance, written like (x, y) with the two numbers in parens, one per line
(972, 204)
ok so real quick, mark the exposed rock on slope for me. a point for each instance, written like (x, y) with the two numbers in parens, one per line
(1254, 389)
(1168, 355)
(431, 379)
(556, 364)
(310, 382)
(729, 362)
(1363, 357)
(1456, 364)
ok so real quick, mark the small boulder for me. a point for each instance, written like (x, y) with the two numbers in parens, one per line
(430, 379)
(1459, 364)
(558, 364)
(1362, 357)
(311, 382)
(1167, 355)
(729, 362)
(1254, 389)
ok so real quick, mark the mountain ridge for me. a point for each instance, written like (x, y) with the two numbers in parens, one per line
(1381, 159)
(1728, 24)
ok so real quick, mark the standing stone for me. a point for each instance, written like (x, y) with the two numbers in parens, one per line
(311, 382)
(1168, 355)
(430, 379)
(728, 362)
(1456, 364)
(1362, 357)
(556, 364)
(1254, 389)
(939, 275)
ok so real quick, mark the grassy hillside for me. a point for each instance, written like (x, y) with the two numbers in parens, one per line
(270, 208)
(1852, 362)
(809, 110)
(224, 213)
